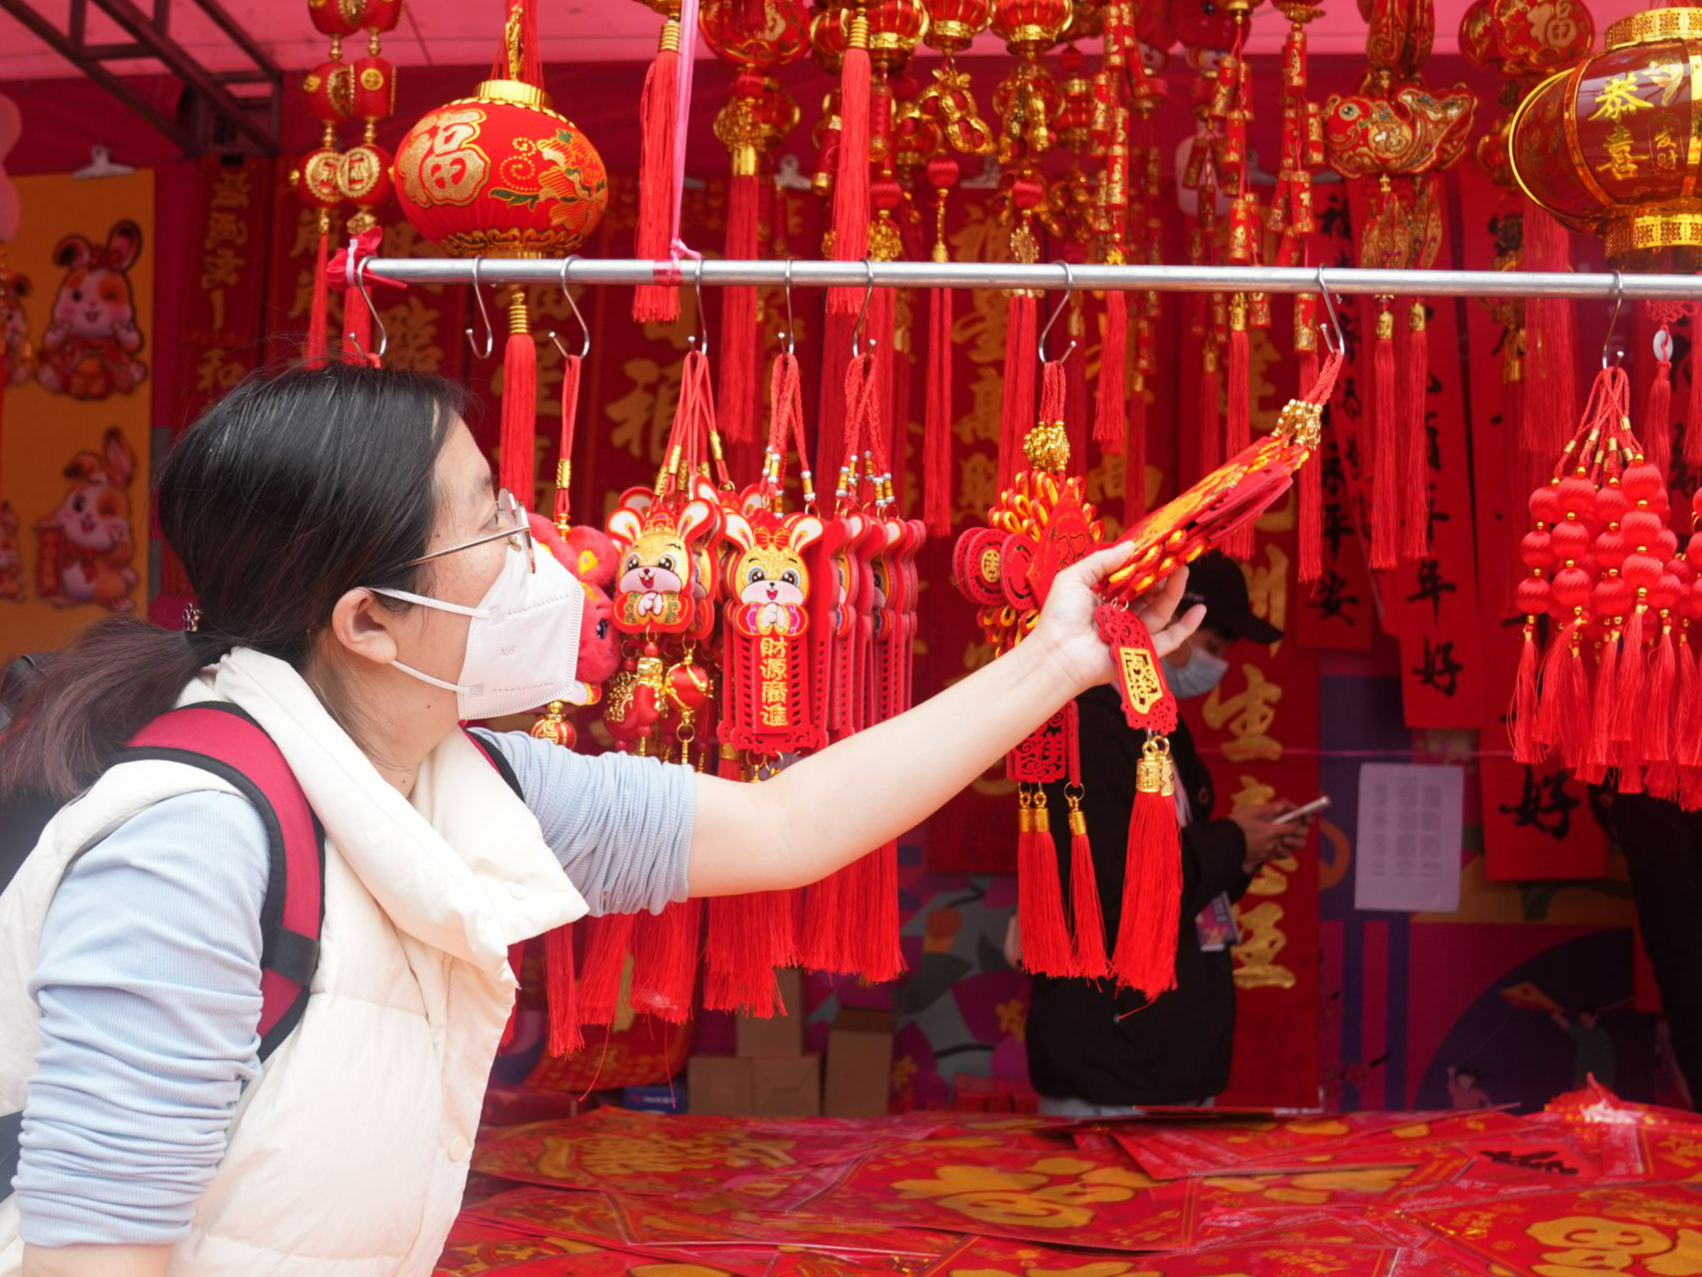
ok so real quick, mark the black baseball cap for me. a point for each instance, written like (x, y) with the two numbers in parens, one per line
(1216, 581)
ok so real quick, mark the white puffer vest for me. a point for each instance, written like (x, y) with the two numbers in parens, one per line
(348, 1155)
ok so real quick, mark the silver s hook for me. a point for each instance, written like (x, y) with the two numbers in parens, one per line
(702, 338)
(790, 336)
(868, 293)
(490, 333)
(377, 319)
(1613, 324)
(1334, 338)
(1069, 287)
(584, 328)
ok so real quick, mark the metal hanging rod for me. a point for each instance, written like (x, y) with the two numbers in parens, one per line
(1042, 276)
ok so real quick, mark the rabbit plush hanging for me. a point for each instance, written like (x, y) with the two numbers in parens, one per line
(90, 346)
(84, 548)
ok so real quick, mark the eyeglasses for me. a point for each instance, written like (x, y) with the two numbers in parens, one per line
(512, 527)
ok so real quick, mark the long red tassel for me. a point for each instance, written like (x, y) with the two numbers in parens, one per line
(1134, 456)
(851, 180)
(317, 348)
(561, 989)
(519, 405)
(1087, 912)
(739, 978)
(739, 396)
(563, 512)
(1211, 440)
(1145, 956)
(657, 303)
(1600, 754)
(1046, 947)
(937, 418)
(1551, 341)
(1687, 739)
(1657, 417)
(1239, 435)
(1385, 459)
(605, 961)
(1311, 490)
(1415, 445)
(881, 959)
(825, 914)
(1018, 414)
(1658, 712)
(665, 959)
(1111, 403)
(1628, 690)
(1524, 724)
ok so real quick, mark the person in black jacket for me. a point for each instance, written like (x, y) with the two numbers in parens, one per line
(1094, 1050)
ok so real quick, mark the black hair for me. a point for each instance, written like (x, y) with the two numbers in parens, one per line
(293, 489)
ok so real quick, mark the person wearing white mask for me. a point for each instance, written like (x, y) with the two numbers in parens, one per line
(362, 591)
(1088, 1056)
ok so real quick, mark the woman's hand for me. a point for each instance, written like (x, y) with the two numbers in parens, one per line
(1267, 838)
(1067, 627)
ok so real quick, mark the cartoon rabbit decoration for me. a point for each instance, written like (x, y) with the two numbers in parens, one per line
(17, 355)
(89, 348)
(11, 556)
(84, 549)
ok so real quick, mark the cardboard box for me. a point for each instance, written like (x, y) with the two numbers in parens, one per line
(859, 1064)
(719, 1086)
(787, 1088)
(780, 1038)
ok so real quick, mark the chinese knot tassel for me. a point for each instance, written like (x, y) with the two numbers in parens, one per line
(1311, 490)
(561, 991)
(1551, 341)
(739, 395)
(1020, 338)
(317, 348)
(1111, 401)
(1523, 724)
(1239, 434)
(823, 939)
(1134, 455)
(1658, 710)
(657, 303)
(1046, 947)
(519, 402)
(1145, 956)
(740, 975)
(1385, 459)
(1598, 755)
(1687, 738)
(1415, 447)
(606, 949)
(1087, 913)
(937, 415)
(1563, 710)
(563, 512)
(664, 961)
(851, 176)
(874, 936)
(1657, 412)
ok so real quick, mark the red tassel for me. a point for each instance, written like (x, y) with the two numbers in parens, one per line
(1658, 711)
(657, 303)
(1239, 544)
(665, 960)
(1600, 736)
(830, 407)
(739, 978)
(1145, 956)
(883, 957)
(1018, 414)
(1112, 401)
(1551, 341)
(1415, 446)
(317, 348)
(516, 961)
(1088, 913)
(1046, 947)
(519, 406)
(1627, 703)
(1385, 460)
(1311, 487)
(825, 914)
(851, 180)
(570, 369)
(1687, 739)
(562, 990)
(1563, 709)
(1134, 456)
(937, 419)
(739, 395)
(605, 962)
(1211, 441)
(357, 332)
(1657, 418)
(1524, 716)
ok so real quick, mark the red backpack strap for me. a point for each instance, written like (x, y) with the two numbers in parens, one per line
(221, 739)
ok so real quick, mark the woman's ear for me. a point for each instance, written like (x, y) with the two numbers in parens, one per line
(365, 627)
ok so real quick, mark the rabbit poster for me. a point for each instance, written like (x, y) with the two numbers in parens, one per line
(74, 456)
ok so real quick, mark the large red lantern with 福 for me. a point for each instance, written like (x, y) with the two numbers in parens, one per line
(503, 174)
(1608, 146)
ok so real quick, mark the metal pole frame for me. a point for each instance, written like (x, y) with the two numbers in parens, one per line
(1045, 276)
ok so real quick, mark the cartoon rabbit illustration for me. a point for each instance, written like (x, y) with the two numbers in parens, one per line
(89, 348)
(17, 355)
(83, 550)
(11, 556)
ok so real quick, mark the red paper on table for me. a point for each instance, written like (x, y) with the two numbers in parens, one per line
(1211, 1148)
(477, 1247)
(658, 1222)
(1227, 1227)
(1061, 1196)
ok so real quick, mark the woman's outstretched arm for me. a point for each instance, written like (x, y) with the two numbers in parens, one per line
(831, 808)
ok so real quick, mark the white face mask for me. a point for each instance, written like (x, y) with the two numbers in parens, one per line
(522, 641)
(1203, 672)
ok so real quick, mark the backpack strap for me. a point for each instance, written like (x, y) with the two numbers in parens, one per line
(498, 760)
(221, 739)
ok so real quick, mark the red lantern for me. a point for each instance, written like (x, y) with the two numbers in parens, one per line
(336, 18)
(781, 39)
(954, 24)
(1607, 147)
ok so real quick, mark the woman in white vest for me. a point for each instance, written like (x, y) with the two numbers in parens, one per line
(362, 590)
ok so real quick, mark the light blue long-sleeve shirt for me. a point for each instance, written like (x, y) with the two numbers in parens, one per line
(148, 982)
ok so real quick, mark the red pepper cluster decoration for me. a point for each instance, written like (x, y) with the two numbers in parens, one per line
(1616, 697)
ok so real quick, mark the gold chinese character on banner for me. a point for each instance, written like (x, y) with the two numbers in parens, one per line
(977, 487)
(217, 372)
(1248, 716)
(644, 415)
(986, 404)
(1666, 150)
(1256, 965)
(225, 228)
(220, 266)
(774, 715)
(232, 188)
(1620, 162)
(1267, 589)
(1618, 98)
